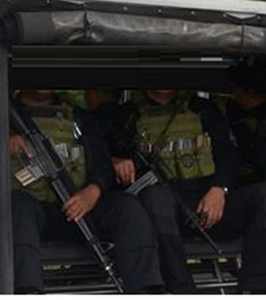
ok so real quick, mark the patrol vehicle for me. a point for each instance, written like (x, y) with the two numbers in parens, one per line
(129, 44)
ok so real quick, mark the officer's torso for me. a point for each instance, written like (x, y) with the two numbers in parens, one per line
(176, 133)
(57, 123)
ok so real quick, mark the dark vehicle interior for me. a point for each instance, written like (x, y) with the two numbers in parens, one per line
(32, 61)
(125, 68)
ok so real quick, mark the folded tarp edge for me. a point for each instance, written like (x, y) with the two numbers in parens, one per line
(98, 28)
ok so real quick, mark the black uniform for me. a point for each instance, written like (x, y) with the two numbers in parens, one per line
(249, 129)
(117, 215)
(244, 213)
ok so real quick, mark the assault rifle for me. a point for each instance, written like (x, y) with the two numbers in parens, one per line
(155, 166)
(46, 162)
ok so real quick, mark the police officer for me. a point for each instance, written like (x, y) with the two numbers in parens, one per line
(247, 115)
(37, 214)
(201, 163)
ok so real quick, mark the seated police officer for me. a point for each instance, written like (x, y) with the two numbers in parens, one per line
(38, 214)
(191, 142)
(247, 116)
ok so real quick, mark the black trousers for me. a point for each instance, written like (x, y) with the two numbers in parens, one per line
(244, 215)
(163, 211)
(117, 215)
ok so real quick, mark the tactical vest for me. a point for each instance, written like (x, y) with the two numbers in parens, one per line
(176, 134)
(57, 123)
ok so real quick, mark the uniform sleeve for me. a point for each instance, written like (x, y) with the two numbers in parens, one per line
(99, 168)
(225, 151)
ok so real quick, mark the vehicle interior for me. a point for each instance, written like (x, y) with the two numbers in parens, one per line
(68, 267)
(71, 59)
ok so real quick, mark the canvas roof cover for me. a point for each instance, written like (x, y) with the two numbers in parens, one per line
(228, 26)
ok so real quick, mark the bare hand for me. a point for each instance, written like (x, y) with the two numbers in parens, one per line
(18, 145)
(125, 170)
(82, 202)
(212, 205)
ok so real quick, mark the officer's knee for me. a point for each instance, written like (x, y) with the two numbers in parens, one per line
(158, 199)
(130, 211)
(128, 204)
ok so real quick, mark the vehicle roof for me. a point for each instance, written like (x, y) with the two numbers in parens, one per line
(243, 6)
(228, 26)
(250, 6)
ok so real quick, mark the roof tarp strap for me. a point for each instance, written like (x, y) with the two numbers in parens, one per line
(102, 28)
(6, 241)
